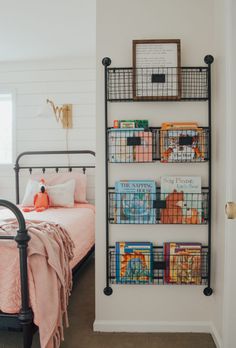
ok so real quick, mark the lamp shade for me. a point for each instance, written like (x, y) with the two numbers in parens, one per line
(45, 111)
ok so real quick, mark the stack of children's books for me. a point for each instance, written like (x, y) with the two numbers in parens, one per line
(129, 142)
(183, 200)
(182, 142)
(183, 263)
(134, 262)
(134, 202)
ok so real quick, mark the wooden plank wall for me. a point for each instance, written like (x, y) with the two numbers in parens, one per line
(64, 81)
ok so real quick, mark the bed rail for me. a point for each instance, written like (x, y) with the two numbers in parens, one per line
(18, 167)
(25, 316)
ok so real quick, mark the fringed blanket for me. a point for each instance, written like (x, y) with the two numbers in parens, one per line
(50, 278)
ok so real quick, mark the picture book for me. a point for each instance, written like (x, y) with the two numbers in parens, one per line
(120, 150)
(182, 142)
(117, 145)
(133, 124)
(183, 198)
(134, 262)
(183, 263)
(143, 152)
(188, 184)
(134, 202)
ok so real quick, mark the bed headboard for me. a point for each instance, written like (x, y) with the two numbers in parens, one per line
(70, 167)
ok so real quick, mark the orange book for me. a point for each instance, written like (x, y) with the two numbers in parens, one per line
(181, 125)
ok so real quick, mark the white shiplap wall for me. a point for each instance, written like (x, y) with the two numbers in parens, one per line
(64, 81)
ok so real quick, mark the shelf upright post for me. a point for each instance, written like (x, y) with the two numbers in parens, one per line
(209, 59)
(107, 290)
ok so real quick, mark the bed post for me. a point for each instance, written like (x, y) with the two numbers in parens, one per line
(16, 168)
(22, 238)
(26, 315)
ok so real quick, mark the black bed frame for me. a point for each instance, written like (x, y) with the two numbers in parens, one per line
(23, 320)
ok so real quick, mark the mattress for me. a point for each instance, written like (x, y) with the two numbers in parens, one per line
(78, 221)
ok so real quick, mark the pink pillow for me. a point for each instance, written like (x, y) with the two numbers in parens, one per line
(60, 178)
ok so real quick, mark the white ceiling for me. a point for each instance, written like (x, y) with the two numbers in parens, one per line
(45, 29)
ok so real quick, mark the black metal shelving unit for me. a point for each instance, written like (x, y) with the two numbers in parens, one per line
(119, 87)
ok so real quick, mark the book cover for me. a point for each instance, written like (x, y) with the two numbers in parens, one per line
(183, 263)
(118, 149)
(143, 152)
(183, 198)
(182, 142)
(133, 124)
(127, 124)
(134, 201)
(134, 262)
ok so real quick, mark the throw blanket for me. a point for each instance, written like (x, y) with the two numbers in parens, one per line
(50, 278)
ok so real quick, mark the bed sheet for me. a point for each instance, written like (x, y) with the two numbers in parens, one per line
(78, 221)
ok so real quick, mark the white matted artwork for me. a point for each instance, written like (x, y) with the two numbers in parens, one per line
(156, 69)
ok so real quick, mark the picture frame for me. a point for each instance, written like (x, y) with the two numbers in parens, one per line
(156, 69)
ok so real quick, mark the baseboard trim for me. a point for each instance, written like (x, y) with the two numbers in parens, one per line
(158, 326)
(216, 337)
(150, 326)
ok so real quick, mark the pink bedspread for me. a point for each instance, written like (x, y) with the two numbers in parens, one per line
(50, 280)
(79, 223)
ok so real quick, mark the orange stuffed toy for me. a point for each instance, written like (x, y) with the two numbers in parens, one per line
(173, 214)
(41, 199)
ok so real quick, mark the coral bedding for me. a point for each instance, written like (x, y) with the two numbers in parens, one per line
(67, 226)
(78, 221)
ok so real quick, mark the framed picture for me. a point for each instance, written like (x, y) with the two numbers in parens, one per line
(156, 70)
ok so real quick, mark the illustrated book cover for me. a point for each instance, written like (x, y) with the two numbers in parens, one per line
(183, 200)
(134, 202)
(182, 142)
(129, 145)
(134, 262)
(183, 263)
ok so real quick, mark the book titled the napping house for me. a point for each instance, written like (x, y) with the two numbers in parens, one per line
(183, 198)
(134, 262)
(134, 202)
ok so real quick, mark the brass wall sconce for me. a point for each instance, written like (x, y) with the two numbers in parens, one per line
(62, 113)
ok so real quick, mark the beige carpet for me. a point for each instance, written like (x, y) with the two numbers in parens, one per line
(80, 334)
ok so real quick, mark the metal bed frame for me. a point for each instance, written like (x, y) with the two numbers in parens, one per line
(23, 321)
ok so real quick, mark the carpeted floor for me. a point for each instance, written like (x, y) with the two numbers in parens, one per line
(81, 335)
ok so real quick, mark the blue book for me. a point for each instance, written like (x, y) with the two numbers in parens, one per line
(134, 262)
(134, 202)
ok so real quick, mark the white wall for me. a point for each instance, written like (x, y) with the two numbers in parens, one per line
(47, 29)
(198, 25)
(63, 81)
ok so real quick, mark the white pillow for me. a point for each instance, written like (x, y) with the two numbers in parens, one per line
(62, 195)
(32, 188)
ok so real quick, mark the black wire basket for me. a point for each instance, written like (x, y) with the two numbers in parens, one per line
(160, 266)
(159, 208)
(166, 84)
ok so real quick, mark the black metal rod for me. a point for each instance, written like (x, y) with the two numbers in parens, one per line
(16, 168)
(71, 152)
(209, 173)
(55, 167)
(106, 62)
(209, 60)
(7, 237)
